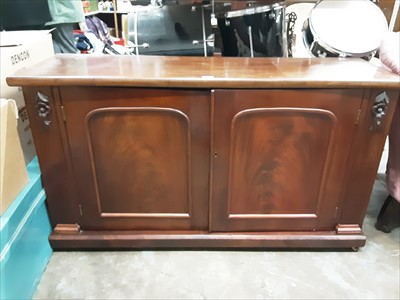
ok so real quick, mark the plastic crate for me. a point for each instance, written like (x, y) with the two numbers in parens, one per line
(24, 247)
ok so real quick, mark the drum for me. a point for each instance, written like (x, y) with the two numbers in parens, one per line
(296, 15)
(170, 30)
(254, 31)
(351, 28)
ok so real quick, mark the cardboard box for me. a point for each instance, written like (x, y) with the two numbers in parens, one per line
(13, 173)
(25, 136)
(19, 50)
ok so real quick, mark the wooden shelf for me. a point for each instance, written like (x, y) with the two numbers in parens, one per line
(91, 13)
(111, 12)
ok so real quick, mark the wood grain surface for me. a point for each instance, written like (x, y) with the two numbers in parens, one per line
(188, 152)
(205, 72)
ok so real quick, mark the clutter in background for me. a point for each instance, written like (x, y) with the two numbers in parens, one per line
(96, 39)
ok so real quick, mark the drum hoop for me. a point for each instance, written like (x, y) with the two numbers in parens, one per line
(332, 49)
(341, 52)
(253, 10)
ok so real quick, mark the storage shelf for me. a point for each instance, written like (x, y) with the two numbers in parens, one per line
(91, 13)
(111, 12)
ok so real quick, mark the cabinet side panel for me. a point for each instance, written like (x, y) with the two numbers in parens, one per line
(51, 144)
(365, 156)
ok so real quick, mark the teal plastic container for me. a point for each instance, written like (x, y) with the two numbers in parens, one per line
(24, 246)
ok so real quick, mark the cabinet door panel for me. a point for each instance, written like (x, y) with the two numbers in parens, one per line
(140, 157)
(280, 157)
(150, 148)
(278, 154)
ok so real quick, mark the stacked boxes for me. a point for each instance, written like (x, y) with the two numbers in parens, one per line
(19, 50)
(24, 246)
(13, 174)
(24, 221)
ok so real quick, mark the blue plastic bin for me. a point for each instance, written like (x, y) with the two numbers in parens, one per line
(24, 246)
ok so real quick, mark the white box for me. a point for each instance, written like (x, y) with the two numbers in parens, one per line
(19, 50)
(25, 135)
(13, 173)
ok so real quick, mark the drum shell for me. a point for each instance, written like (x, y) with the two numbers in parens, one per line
(171, 30)
(344, 29)
(268, 33)
(320, 49)
(296, 16)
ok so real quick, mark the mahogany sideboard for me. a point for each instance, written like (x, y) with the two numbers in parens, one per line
(215, 152)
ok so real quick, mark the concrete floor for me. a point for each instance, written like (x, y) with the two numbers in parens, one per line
(371, 273)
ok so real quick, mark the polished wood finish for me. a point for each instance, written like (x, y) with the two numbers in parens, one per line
(140, 157)
(365, 156)
(348, 229)
(258, 153)
(282, 165)
(63, 229)
(205, 72)
(51, 144)
(94, 240)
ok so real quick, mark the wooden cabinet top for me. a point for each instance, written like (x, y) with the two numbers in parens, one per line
(205, 72)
